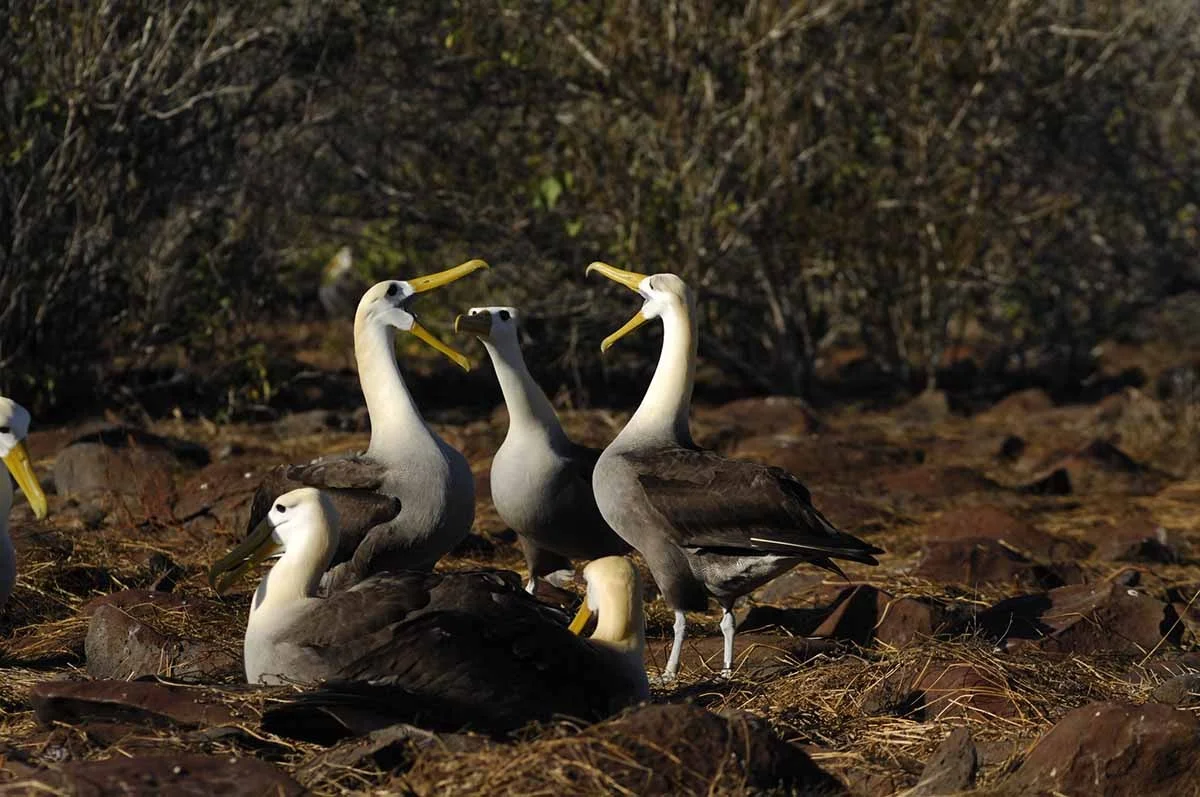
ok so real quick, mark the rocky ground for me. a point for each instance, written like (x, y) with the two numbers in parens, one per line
(1031, 628)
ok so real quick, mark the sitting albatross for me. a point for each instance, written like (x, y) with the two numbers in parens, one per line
(541, 481)
(405, 460)
(708, 526)
(14, 426)
(459, 649)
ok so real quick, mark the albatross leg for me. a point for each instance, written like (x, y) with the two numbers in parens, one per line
(531, 587)
(727, 629)
(672, 670)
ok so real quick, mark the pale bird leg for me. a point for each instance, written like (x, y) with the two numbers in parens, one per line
(531, 587)
(727, 629)
(672, 670)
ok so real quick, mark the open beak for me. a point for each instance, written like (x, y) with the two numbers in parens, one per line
(479, 324)
(259, 546)
(20, 466)
(631, 280)
(581, 619)
(428, 283)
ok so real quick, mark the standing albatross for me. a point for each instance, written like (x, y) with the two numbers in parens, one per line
(14, 426)
(410, 498)
(708, 526)
(541, 480)
(452, 649)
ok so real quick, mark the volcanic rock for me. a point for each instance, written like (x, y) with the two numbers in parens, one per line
(146, 703)
(126, 639)
(1107, 617)
(179, 775)
(1114, 749)
(952, 767)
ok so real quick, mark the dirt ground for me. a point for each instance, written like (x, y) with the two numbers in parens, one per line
(1040, 558)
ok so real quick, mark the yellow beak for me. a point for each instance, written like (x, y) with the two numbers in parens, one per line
(428, 283)
(631, 280)
(431, 281)
(479, 324)
(581, 619)
(431, 340)
(21, 468)
(259, 546)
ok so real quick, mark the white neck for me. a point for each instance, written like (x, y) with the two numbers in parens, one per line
(529, 411)
(296, 575)
(394, 415)
(662, 417)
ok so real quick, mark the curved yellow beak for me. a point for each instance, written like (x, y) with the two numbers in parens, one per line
(428, 283)
(431, 281)
(259, 546)
(581, 619)
(21, 467)
(631, 280)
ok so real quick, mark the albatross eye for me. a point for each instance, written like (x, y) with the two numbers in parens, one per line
(5, 429)
(280, 508)
(393, 289)
(505, 315)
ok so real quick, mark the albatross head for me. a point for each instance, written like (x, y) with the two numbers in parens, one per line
(662, 293)
(614, 596)
(390, 303)
(301, 530)
(14, 426)
(493, 324)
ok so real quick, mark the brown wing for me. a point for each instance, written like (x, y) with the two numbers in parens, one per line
(711, 502)
(351, 484)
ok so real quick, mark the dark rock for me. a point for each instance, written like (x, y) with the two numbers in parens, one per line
(863, 615)
(797, 622)
(963, 690)
(1108, 617)
(791, 586)
(1136, 537)
(683, 749)
(124, 461)
(973, 562)
(145, 703)
(1114, 749)
(931, 481)
(1100, 466)
(393, 748)
(179, 775)
(952, 768)
(125, 640)
(1182, 691)
(1056, 482)
(764, 416)
(992, 523)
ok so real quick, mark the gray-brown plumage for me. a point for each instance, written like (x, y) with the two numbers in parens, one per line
(708, 526)
(405, 460)
(541, 480)
(451, 650)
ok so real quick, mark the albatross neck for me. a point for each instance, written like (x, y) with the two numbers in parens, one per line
(395, 420)
(296, 575)
(529, 411)
(662, 417)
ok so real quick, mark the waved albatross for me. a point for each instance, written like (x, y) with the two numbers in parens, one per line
(405, 460)
(457, 649)
(708, 526)
(541, 480)
(14, 426)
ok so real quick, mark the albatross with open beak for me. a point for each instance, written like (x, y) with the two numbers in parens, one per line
(457, 649)
(541, 480)
(14, 426)
(708, 526)
(406, 461)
